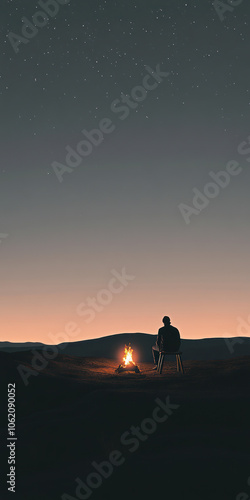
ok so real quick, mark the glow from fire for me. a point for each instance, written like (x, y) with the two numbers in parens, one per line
(128, 351)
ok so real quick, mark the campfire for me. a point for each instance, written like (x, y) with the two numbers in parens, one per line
(128, 363)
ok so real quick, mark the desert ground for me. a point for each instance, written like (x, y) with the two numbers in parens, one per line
(76, 411)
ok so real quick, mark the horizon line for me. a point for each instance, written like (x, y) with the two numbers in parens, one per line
(115, 334)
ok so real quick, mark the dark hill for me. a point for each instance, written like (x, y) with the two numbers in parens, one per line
(112, 347)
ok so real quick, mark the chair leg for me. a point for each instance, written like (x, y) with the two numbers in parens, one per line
(177, 362)
(182, 369)
(162, 362)
(159, 362)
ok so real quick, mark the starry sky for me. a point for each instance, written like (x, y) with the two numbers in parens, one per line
(62, 242)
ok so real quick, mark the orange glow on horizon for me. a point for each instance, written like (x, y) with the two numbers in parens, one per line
(52, 320)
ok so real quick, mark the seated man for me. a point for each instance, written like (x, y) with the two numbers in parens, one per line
(168, 339)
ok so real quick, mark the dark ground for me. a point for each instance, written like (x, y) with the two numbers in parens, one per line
(75, 411)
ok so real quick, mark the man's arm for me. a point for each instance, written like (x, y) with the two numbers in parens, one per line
(158, 340)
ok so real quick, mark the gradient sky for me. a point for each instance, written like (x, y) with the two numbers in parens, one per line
(120, 207)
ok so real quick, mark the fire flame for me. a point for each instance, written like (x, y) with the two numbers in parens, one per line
(128, 351)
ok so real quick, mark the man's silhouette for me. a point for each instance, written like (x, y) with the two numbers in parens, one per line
(168, 339)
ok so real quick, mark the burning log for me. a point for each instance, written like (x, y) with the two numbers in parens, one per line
(128, 363)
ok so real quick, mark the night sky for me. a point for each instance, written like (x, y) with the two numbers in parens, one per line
(62, 243)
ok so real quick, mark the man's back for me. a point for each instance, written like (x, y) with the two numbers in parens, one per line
(169, 339)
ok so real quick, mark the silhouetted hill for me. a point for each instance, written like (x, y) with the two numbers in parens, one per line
(22, 346)
(112, 347)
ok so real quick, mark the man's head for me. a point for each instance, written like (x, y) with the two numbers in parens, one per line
(166, 321)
